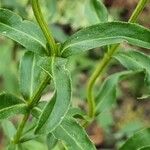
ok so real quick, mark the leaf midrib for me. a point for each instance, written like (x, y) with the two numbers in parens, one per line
(32, 76)
(123, 38)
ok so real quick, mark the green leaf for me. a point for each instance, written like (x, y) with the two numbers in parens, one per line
(51, 141)
(106, 34)
(55, 111)
(96, 12)
(11, 105)
(134, 60)
(24, 32)
(33, 145)
(12, 147)
(78, 113)
(73, 135)
(36, 111)
(8, 128)
(138, 140)
(107, 94)
(31, 75)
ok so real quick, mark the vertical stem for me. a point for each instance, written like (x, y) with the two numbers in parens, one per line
(40, 19)
(98, 71)
(139, 8)
(20, 128)
(34, 100)
(105, 62)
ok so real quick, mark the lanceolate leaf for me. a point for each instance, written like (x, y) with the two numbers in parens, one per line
(106, 34)
(96, 12)
(134, 60)
(51, 118)
(11, 105)
(73, 135)
(31, 75)
(24, 32)
(138, 140)
(100, 10)
(107, 93)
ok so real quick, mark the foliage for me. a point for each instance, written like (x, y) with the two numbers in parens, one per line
(46, 62)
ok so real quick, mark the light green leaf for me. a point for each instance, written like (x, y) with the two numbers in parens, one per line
(138, 140)
(106, 34)
(12, 147)
(8, 128)
(96, 12)
(11, 105)
(55, 111)
(134, 60)
(33, 145)
(31, 75)
(107, 94)
(73, 135)
(51, 141)
(24, 32)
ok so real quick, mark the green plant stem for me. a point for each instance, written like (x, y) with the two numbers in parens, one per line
(40, 19)
(20, 128)
(105, 62)
(36, 97)
(139, 8)
(98, 71)
(33, 102)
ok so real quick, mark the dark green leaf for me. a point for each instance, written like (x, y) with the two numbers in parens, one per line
(138, 140)
(31, 75)
(134, 60)
(51, 118)
(24, 32)
(106, 34)
(107, 93)
(73, 135)
(11, 105)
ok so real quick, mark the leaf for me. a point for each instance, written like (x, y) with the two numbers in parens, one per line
(54, 112)
(106, 34)
(51, 141)
(33, 145)
(37, 110)
(8, 128)
(11, 105)
(78, 113)
(138, 140)
(134, 60)
(96, 12)
(107, 94)
(31, 75)
(73, 135)
(24, 32)
(12, 147)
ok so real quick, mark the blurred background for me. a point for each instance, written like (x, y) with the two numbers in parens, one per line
(65, 17)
